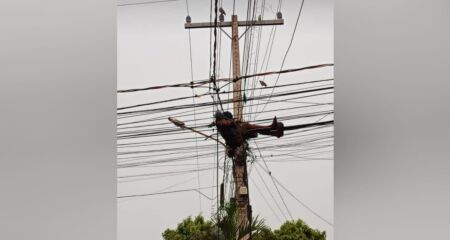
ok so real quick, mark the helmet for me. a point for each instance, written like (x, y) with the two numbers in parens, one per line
(227, 115)
(223, 115)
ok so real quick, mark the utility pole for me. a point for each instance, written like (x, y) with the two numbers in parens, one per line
(241, 196)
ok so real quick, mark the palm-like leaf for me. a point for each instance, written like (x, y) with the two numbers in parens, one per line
(226, 219)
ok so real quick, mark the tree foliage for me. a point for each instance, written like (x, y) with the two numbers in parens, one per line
(226, 220)
(224, 227)
(264, 234)
(192, 229)
(298, 230)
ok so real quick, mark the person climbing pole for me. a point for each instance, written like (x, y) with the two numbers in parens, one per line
(236, 132)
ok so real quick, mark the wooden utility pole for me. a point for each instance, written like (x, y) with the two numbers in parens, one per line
(241, 196)
(237, 95)
(240, 155)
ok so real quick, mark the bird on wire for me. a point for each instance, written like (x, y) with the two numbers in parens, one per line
(264, 84)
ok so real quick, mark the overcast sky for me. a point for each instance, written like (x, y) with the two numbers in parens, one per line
(153, 49)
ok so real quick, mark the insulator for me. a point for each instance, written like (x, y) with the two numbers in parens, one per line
(221, 18)
(188, 19)
(279, 15)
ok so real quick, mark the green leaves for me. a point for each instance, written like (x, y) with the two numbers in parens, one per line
(225, 227)
(298, 230)
(192, 229)
(227, 222)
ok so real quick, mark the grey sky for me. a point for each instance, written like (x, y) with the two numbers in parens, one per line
(153, 49)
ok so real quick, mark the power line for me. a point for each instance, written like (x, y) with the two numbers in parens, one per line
(270, 193)
(193, 102)
(266, 201)
(184, 106)
(160, 193)
(223, 92)
(203, 82)
(290, 44)
(276, 187)
(298, 200)
(214, 75)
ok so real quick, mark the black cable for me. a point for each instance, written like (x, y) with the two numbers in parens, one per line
(229, 80)
(290, 44)
(159, 193)
(298, 200)
(223, 92)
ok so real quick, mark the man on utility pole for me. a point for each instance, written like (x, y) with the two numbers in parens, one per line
(239, 153)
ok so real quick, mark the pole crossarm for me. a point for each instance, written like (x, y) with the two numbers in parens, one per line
(240, 23)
